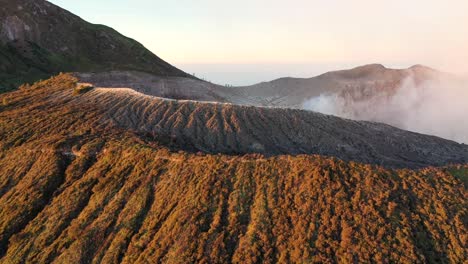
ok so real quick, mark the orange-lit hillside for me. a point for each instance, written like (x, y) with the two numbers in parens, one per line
(75, 188)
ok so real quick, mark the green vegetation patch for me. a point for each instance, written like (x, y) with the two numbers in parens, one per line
(462, 174)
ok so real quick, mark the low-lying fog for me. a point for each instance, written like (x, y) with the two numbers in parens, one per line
(438, 107)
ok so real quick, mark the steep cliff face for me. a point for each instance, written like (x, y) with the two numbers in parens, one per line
(110, 176)
(38, 38)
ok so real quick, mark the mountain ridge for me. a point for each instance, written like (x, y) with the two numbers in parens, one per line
(233, 129)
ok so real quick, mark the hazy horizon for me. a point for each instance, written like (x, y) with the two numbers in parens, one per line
(248, 74)
(246, 42)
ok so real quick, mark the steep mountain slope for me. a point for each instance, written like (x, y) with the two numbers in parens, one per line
(38, 39)
(109, 176)
(232, 129)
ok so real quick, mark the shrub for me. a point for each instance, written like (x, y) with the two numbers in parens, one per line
(25, 86)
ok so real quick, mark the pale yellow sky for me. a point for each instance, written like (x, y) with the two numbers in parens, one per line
(431, 32)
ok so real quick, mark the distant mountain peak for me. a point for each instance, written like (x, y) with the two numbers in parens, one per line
(372, 66)
(419, 66)
(365, 71)
(422, 68)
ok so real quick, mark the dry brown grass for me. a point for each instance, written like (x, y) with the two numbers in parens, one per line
(75, 188)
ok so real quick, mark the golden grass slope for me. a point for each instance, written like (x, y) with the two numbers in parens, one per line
(77, 188)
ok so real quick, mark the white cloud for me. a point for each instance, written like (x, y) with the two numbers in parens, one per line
(437, 107)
